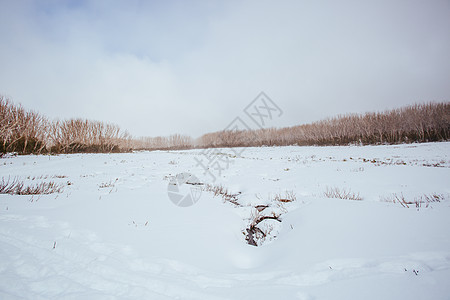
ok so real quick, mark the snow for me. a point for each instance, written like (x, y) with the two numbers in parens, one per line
(113, 233)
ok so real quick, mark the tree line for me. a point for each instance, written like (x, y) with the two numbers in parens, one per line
(26, 131)
(427, 122)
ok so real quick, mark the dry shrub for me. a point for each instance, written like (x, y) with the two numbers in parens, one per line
(254, 235)
(21, 131)
(108, 184)
(400, 199)
(338, 193)
(434, 197)
(16, 186)
(258, 231)
(289, 196)
(219, 190)
(85, 136)
(173, 142)
(24, 132)
(425, 199)
(415, 123)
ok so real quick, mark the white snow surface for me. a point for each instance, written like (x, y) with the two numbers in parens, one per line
(113, 233)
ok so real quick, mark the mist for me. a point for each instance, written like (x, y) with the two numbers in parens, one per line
(158, 68)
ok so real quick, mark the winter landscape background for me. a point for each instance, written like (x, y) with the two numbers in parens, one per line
(224, 150)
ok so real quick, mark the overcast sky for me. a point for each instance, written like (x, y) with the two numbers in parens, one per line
(190, 67)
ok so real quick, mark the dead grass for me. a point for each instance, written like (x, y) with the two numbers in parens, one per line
(219, 190)
(109, 184)
(338, 193)
(400, 199)
(289, 196)
(434, 197)
(418, 202)
(45, 177)
(16, 186)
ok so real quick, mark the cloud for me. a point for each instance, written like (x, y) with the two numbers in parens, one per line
(157, 68)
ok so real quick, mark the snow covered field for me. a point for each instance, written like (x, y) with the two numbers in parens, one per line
(113, 233)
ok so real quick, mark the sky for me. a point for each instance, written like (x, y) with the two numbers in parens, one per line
(157, 68)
